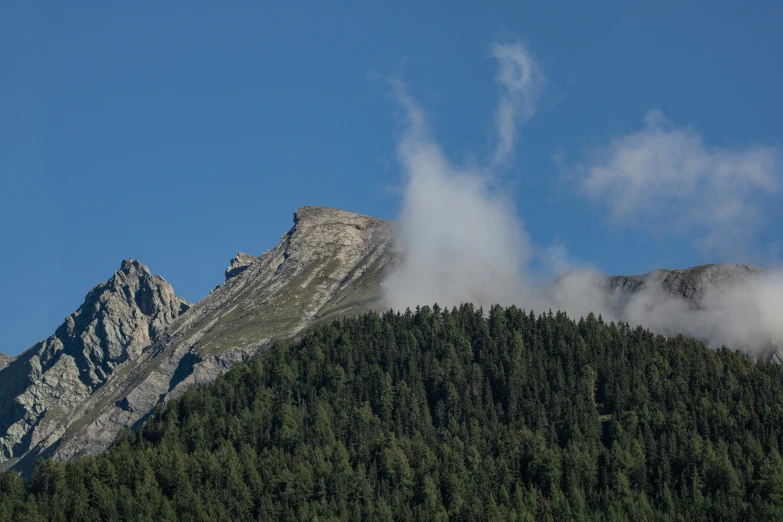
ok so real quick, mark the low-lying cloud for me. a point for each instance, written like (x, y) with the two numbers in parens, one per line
(463, 241)
(744, 312)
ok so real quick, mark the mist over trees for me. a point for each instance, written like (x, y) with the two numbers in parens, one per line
(446, 415)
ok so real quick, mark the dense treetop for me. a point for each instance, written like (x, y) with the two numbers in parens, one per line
(446, 415)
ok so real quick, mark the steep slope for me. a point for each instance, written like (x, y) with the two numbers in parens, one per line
(43, 390)
(329, 264)
(5, 360)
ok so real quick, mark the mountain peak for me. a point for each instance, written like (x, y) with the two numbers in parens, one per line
(329, 264)
(118, 320)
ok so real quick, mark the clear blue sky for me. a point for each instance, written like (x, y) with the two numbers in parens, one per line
(178, 135)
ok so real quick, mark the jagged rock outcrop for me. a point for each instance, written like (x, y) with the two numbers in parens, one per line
(5, 360)
(331, 263)
(42, 390)
(239, 264)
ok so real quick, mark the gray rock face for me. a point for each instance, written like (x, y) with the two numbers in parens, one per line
(331, 263)
(42, 390)
(5, 360)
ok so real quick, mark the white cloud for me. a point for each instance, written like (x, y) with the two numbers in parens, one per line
(462, 240)
(521, 81)
(665, 179)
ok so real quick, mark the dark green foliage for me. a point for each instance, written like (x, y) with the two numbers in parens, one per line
(446, 415)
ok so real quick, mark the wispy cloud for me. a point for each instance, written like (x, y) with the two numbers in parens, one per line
(462, 240)
(665, 179)
(521, 81)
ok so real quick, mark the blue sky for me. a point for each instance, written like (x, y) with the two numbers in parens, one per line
(180, 135)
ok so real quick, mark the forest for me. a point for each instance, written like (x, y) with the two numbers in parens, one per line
(445, 414)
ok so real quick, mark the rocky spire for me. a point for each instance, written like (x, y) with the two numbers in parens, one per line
(118, 319)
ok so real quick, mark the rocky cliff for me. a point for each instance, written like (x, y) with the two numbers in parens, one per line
(329, 264)
(43, 391)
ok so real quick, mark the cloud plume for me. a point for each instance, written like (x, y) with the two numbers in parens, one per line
(462, 241)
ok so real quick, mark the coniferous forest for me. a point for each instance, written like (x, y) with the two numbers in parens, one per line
(445, 415)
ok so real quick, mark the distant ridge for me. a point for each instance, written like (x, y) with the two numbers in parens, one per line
(687, 283)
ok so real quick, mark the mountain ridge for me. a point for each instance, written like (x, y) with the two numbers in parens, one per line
(331, 263)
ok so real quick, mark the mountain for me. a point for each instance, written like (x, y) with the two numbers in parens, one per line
(46, 388)
(134, 344)
(331, 263)
(5, 360)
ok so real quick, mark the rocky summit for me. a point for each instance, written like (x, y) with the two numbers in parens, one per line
(134, 344)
